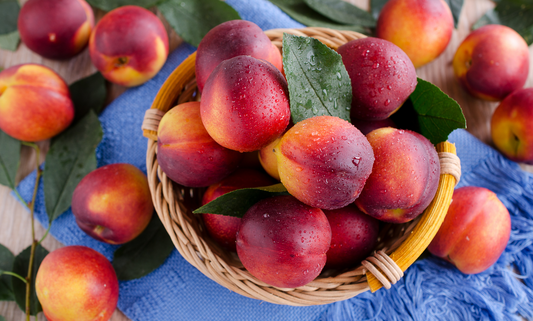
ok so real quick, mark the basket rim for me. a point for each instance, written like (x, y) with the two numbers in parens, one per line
(204, 255)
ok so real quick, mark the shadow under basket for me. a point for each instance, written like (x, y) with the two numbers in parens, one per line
(398, 247)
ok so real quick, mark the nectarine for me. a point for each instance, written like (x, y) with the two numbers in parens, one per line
(475, 231)
(35, 102)
(113, 203)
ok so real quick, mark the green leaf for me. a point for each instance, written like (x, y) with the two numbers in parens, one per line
(6, 265)
(192, 19)
(304, 14)
(108, 5)
(342, 12)
(2, 318)
(237, 202)
(71, 156)
(10, 41)
(455, 6)
(318, 81)
(145, 253)
(438, 114)
(9, 159)
(20, 266)
(376, 6)
(9, 13)
(87, 94)
(515, 14)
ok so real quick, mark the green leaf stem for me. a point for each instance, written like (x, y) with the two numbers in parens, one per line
(20, 266)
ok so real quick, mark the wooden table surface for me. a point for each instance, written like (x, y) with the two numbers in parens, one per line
(15, 220)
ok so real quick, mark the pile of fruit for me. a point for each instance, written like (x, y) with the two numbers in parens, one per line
(339, 183)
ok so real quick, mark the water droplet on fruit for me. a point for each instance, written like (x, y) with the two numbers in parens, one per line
(387, 102)
(356, 160)
(339, 76)
(266, 215)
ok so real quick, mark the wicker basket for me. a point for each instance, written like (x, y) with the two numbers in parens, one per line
(398, 247)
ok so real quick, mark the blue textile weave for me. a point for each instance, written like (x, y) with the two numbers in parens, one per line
(431, 289)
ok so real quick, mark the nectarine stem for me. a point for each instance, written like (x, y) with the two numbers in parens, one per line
(15, 275)
(34, 242)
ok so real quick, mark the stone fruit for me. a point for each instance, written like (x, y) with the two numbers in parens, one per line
(324, 161)
(421, 28)
(186, 152)
(129, 45)
(283, 242)
(404, 178)
(35, 103)
(245, 104)
(77, 283)
(113, 203)
(366, 126)
(354, 236)
(381, 74)
(222, 228)
(511, 126)
(269, 160)
(475, 231)
(492, 62)
(230, 39)
(58, 29)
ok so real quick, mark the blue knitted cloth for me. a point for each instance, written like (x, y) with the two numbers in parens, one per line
(431, 289)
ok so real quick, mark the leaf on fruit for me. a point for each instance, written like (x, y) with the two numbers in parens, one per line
(108, 5)
(9, 159)
(6, 265)
(145, 253)
(20, 266)
(192, 19)
(301, 12)
(10, 41)
(237, 202)
(342, 12)
(455, 6)
(515, 14)
(71, 156)
(376, 6)
(318, 81)
(438, 114)
(88, 93)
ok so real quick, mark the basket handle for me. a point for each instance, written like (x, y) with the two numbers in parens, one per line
(167, 95)
(424, 231)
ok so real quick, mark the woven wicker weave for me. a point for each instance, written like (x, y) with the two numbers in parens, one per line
(398, 247)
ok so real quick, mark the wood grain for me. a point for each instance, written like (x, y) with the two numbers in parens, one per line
(15, 219)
